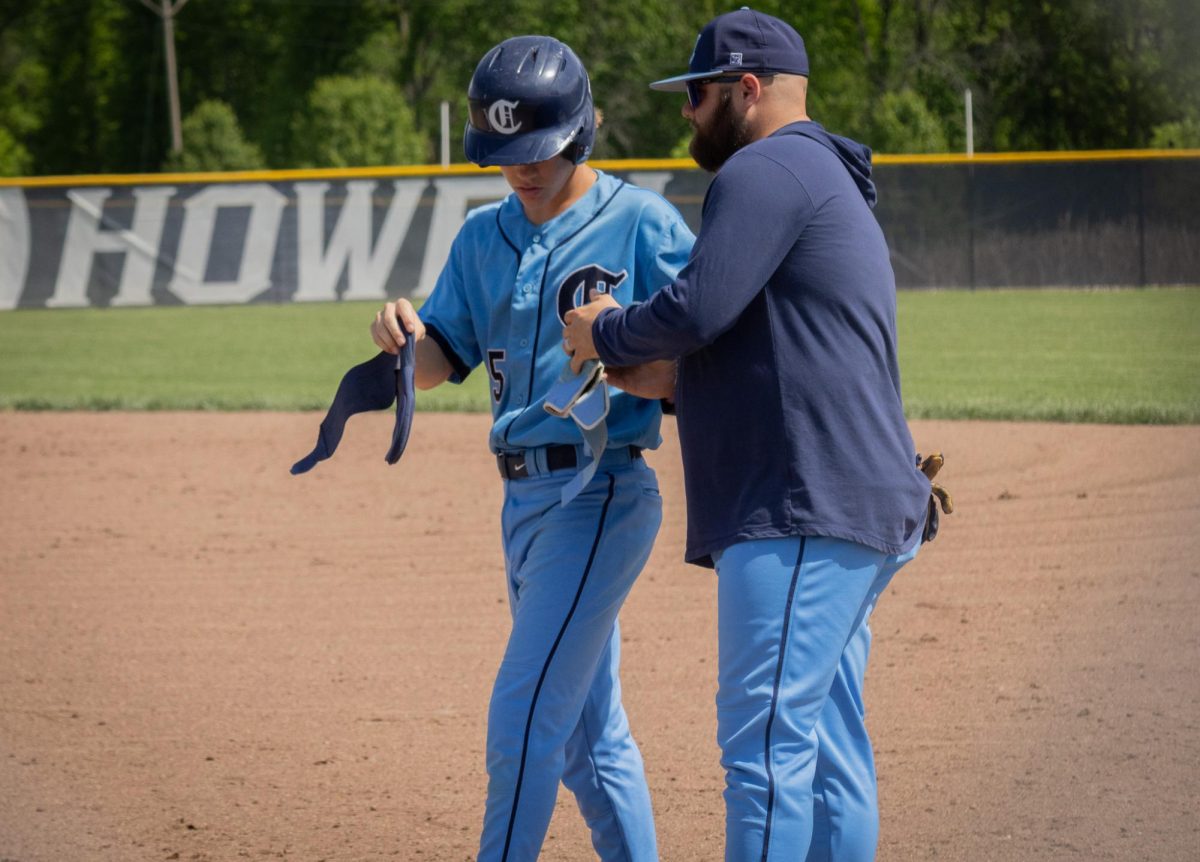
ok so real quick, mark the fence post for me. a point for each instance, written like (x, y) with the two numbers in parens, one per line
(970, 118)
(445, 134)
(970, 123)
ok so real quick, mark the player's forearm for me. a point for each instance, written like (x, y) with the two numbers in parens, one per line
(432, 366)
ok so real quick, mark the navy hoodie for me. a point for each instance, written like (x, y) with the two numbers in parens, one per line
(784, 324)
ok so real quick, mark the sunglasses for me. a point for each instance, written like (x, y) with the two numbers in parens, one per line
(695, 89)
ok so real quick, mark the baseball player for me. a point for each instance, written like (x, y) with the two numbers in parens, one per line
(514, 270)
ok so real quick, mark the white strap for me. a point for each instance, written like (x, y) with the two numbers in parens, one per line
(589, 413)
(583, 397)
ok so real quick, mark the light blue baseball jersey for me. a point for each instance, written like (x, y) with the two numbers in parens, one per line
(501, 298)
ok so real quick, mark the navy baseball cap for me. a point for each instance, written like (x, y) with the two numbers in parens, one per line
(742, 41)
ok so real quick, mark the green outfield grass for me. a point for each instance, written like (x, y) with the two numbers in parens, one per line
(253, 357)
(1130, 356)
(1112, 356)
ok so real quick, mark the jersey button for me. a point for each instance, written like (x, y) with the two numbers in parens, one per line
(520, 399)
(537, 237)
(524, 342)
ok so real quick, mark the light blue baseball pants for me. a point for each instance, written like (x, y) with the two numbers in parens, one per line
(556, 710)
(794, 640)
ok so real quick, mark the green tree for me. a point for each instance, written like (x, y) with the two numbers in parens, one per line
(263, 59)
(1177, 135)
(681, 149)
(15, 160)
(431, 49)
(94, 58)
(903, 123)
(213, 141)
(23, 80)
(1071, 74)
(23, 87)
(82, 84)
(357, 122)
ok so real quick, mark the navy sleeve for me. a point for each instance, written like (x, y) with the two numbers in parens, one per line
(753, 212)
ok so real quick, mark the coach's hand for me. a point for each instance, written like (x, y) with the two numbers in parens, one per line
(393, 323)
(577, 335)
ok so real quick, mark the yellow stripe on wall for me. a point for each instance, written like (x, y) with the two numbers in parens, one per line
(605, 164)
(1016, 158)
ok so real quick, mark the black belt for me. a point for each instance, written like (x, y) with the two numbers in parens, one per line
(512, 464)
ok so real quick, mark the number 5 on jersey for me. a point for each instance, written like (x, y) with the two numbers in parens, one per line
(495, 363)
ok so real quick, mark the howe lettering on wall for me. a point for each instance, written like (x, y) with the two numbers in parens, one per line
(229, 243)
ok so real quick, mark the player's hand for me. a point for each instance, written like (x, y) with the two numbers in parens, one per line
(577, 334)
(651, 380)
(393, 323)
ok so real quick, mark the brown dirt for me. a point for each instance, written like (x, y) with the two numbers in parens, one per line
(204, 658)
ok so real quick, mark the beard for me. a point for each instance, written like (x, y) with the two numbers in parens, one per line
(726, 134)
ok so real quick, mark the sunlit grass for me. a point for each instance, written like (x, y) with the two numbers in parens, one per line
(1129, 356)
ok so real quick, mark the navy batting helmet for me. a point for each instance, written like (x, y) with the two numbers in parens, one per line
(530, 99)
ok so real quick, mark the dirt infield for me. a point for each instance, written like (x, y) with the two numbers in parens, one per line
(205, 658)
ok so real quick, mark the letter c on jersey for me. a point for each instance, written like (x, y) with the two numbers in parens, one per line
(578, 286)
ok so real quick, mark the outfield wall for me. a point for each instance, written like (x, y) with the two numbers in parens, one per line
(1001, 220)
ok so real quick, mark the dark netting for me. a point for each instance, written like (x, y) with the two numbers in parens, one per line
(1053, 224)
(1118, 223)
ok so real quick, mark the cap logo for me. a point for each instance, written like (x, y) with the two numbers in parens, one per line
(735, 59)
(500, 116)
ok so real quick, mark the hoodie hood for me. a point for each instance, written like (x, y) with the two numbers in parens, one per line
(855, 156)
